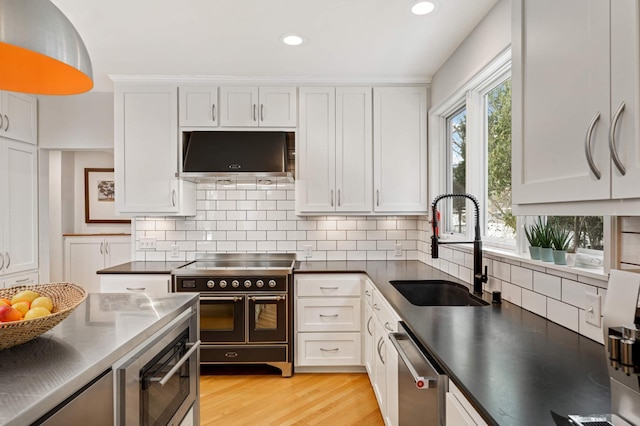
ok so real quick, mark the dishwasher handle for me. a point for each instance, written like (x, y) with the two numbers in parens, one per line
(422, 382)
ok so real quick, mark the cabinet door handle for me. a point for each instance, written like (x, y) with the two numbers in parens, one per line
(213, 112)
(6, 123)
(106, 247)
(377, 197)
(254, 113)
(331, 198)
(102, 247)
(612, 140)
(261, 112)
(173, 198)
(587, 146)
(368, 326)
(8, 259)
(1, 122)
(2, 264)
(339, 198)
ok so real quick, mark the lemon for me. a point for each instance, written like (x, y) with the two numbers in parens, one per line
(23, 307)
(24, 296)
(36, 313)
(43, 302)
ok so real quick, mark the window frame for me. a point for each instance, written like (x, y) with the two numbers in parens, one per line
(472, 97)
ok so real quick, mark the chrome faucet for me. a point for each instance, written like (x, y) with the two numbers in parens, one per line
(478, 276)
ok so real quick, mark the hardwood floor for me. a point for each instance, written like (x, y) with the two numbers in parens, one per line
(304, 399)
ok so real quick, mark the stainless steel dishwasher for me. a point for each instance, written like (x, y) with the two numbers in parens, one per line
(421, 387)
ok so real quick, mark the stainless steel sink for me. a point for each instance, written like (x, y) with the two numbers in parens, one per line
(437, 293)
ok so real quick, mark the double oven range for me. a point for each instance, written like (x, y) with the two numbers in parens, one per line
(246, 307)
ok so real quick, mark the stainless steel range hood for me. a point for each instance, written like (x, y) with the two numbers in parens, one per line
(213, 155)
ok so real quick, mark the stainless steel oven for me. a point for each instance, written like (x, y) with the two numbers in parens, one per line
(157, 384)
(245, 307)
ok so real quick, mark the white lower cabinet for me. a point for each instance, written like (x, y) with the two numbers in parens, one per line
(85, 255)
(150, 284)
(459, 411)
(19, 279)
(328, 317)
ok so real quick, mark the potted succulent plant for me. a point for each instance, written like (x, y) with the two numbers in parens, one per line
(544, 240)
(560, 239)
(531, 232)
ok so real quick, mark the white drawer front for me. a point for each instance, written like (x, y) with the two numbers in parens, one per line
(325, 285)
(135, 283)
(328, 314)
(328, 349)
(385, 314)
(367, 293)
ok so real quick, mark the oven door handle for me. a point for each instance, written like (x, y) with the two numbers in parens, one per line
(267, 298)
(221, 298)
(163, 380)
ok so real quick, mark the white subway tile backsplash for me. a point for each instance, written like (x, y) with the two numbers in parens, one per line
(522, 277)
(534, 302)
(252, 217)
(563, 314)
(548, 285)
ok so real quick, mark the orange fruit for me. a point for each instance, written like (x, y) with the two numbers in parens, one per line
(5, 301)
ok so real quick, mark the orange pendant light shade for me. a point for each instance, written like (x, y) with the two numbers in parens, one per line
(40, 50)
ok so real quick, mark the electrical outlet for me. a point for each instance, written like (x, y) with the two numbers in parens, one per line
(307, 251)
(592, 308)
(174, 251)
(147, 243)
(397, 249)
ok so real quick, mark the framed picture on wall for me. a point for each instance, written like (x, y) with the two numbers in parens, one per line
(99, 197)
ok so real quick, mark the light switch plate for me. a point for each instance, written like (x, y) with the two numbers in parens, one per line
(147, 243)
(592, 308)
(307, 251)
(397, 250)
(174, 250)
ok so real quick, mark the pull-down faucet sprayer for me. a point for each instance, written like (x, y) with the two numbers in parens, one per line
(478, 276)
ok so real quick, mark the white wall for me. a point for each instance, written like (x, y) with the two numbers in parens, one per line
(76, 122)
(490, 37)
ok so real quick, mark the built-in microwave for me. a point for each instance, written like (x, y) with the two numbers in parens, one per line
(158, 383)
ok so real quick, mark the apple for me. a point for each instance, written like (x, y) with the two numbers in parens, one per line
(9, 313)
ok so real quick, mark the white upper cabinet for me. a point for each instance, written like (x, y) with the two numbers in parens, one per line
(253, 106)
(576, 82)
(400, 149)
(19, 117)
(334, 150)
(146, 153)
(198, 106)
(18, 207)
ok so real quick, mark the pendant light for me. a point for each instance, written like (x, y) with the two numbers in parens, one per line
(40, 50)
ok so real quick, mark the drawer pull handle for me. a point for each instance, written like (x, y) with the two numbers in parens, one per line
(136, 288)
(328, 288)
(367, 293)
(231, 354)
(329, 316)
(388, 327)
(330, 350)
(376, 307)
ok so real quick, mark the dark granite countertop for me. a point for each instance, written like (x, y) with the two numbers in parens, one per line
(512, 365)
(142, 267)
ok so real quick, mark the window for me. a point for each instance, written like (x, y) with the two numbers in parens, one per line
(457, 129)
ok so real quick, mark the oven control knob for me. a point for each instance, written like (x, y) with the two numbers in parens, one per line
(223, 284)
(210, 284)
(259, 283)
(247, 283)
(235, 284)
(272, 283)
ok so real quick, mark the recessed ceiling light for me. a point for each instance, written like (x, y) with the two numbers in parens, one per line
(423, 7)
(292, 40)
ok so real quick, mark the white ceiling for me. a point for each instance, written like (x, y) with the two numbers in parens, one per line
(347, 40)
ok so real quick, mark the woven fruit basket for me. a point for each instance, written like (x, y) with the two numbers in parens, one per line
(65, 297)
